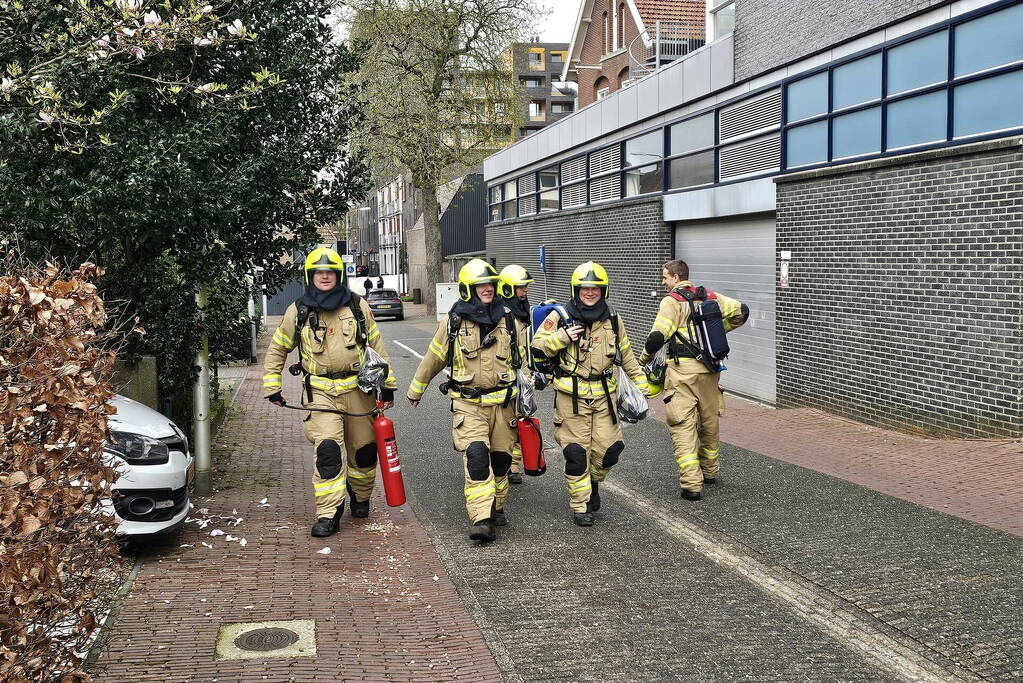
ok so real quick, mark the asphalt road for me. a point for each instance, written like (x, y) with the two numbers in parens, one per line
(780, 573)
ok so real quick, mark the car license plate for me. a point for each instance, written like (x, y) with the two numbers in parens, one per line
(191, 474)
(386, 306)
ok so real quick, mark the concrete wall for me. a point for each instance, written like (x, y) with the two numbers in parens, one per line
(769, 33)
(629, 239)
(906, 292)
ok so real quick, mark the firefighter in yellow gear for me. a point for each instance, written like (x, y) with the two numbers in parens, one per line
(332, 326)
(585, 350)
(692, 396)
(477, 342)
(513, 288)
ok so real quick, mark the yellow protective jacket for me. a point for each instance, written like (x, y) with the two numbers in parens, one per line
(586, 365)
(673, 317)
(327, 355)
(473, 368)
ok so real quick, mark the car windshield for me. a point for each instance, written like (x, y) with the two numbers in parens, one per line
(382, 294)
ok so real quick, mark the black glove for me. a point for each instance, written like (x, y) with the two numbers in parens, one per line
(386, 395)
(276, 399)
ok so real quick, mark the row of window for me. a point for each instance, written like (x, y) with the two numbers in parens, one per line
(953, 83)
(956, 82)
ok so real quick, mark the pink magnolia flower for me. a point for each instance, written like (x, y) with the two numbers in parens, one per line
(137, 52)
(151, 18)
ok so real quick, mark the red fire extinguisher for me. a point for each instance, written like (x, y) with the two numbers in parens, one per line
(531, 442)
(390, 466)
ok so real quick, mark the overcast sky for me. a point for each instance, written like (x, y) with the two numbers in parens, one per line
(557, 28)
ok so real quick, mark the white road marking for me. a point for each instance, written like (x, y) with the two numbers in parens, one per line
(410, 350)
(851, 627)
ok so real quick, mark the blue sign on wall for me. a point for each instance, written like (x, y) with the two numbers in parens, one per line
(543, 258)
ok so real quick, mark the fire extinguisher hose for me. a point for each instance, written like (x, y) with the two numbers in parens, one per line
(328, 410)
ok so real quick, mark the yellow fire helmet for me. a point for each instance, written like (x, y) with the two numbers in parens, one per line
(325, 258)
(589, 274)
(475, 272)
(512, 276)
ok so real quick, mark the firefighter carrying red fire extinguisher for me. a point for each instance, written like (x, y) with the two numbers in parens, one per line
(332, 327)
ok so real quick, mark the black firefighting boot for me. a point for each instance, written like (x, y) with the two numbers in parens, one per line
(328, 526)
(584, 518)
(692, 495)
(497, 515)
(594, 503)
(514, 477)
(483, 531)
(358, 509)
(710, 480)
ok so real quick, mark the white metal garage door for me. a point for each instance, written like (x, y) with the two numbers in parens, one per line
(736, 256)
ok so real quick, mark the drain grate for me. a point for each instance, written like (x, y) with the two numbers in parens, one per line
(266, 639)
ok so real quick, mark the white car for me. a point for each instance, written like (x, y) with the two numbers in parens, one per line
(155, 470)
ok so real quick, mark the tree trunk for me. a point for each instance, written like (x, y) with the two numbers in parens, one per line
(434, 258)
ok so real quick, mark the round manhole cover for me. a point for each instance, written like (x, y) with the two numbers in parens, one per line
(266, 639)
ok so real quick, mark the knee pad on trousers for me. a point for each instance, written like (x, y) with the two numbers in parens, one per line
(611, 457)
(328, 459)
(477, 457)
(366, 456)
(575, 460)
(501, 462)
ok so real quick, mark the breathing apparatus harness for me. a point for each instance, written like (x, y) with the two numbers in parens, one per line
(554, 366)
(705, 324)
(305, 313)
(465, 391)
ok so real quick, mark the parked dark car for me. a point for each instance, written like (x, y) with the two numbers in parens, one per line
(385, 302)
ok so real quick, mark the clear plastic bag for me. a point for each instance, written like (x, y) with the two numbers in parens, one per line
(527, 393)
(657, 367)
(632, 404)
(373, 372)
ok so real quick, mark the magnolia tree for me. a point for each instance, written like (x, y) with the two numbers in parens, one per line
(438, 90)
(179, 145)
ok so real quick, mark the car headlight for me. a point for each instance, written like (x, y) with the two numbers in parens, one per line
(138, 449)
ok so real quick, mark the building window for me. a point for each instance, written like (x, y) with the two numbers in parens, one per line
(643, 180)
(856, 82)
(693, 134)
(807, 144)
(537, 110)
(495, 203)
(623, 78)
(557, 58)
(991, 104)
(562, 107)
(603, 92)
(607, 35)
(644, 149)
(509, 193)
(550, 196)
(989, 41)
(807, 97)
(620, 25)
(534, 59)
(918, 120)
(856, 134)
(722, 18)
(695, 169)
(531, 82)
(642, 176)
(918, 63)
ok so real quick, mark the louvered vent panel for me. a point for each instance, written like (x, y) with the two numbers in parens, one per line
(605, 188)
(746, 117)
(608, 159)
(573, 170)
(573, 195)
(527, 205)
(758, 156)
(527, 184)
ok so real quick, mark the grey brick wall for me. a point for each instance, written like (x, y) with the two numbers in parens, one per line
(630, 239)
(906, 292)
(769, 33)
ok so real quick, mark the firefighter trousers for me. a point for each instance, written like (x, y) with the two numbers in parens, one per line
(590, 441)
(344, 448)
(484, 435)
(693, 402)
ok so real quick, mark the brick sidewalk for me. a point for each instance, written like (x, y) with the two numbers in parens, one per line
(978, 480)
(383, 606)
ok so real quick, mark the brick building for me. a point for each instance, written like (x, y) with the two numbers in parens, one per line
(616, 41)
(854, 172)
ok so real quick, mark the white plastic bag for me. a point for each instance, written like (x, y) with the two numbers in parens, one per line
(632, 404)
(657, 367)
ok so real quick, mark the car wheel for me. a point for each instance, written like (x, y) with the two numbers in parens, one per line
(400, 317)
